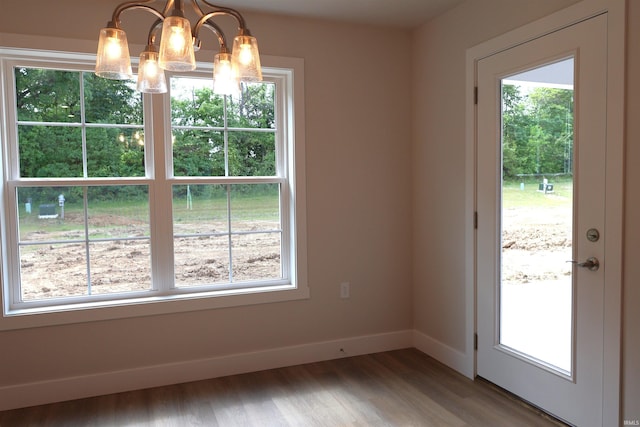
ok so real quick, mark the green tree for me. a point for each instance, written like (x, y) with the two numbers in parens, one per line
(537, 131)
(47, 95)
(516, 151)
(53, 140)
(200, 152)
(253, 153)
(50, 146)
(553, 112)
(111, 101)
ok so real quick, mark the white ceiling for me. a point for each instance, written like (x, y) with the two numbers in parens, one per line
(397, 13)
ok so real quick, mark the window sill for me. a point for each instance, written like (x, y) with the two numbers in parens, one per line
(150, 306)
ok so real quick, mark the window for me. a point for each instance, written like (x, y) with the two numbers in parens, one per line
(168, 202)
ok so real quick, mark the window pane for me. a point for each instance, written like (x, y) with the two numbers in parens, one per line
(252, 154)
(198, 153)
(50, 151)
(120, 266)
(254, 108)
(256, 256)
(41, 217)
(202, 260)
(193, 103)
(255, 207)
(47, 95)
(118, 211)
(113, 152)
(54, 236)
(199, 209)
(111, 101)
(53, 270)
(202, 239)
(536, 285)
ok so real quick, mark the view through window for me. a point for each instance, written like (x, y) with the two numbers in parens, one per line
(536, 287)
(94, 185)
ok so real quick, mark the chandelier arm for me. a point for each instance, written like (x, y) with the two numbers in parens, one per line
(205, 20)
(167, 7)
(229, 11)
(222, 39)
(153, 31)
(115, 19)
(196, 7)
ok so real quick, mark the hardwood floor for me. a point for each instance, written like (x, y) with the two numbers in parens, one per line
(397, 388)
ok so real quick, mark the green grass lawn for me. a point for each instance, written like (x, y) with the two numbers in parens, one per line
(514, 195)
(125, 213)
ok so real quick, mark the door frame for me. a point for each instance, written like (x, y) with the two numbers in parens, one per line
(616, 22)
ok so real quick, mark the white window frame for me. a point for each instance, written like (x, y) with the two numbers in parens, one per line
(287, 74)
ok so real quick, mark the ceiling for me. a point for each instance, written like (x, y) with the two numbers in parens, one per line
(396, 13)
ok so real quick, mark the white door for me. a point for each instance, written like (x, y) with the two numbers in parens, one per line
(541, 139)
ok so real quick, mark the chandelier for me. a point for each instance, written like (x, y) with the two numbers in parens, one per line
(178, 42)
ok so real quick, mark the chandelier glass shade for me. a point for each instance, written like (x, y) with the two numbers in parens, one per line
(176, 45)
(246, 58)
(225, 81)
(150, 75)
(178, 42)
(113, 61)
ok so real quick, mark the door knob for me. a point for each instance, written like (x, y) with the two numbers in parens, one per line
(591, 263)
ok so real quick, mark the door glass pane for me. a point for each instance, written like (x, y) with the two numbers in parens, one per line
(537, 214)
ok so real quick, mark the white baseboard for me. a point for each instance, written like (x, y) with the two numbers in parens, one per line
(61, 389)
(453, 358)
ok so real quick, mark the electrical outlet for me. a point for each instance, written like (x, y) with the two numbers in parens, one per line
(345, 290)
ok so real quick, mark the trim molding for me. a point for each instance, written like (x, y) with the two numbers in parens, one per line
(78, 387)
(455, 359)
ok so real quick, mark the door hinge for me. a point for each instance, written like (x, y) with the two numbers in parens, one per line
(475, 341)
(475, 95)
(475, 220)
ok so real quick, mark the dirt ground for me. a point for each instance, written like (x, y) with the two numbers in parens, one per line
(59, 267)
(536, 246)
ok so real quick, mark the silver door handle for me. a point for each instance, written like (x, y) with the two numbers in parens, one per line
(591, 263)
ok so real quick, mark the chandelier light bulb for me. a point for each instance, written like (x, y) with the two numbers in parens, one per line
(176, 45)
(176, 39)
(151, 68)
(246, 55)
(113, 48)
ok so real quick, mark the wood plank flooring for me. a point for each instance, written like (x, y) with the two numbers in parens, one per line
(397, 388)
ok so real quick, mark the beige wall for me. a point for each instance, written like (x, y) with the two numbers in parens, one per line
(439, 172)
(358, 139)
(360, 163)
(439, 155)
